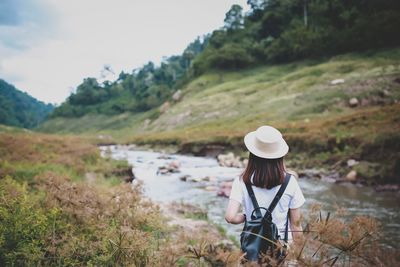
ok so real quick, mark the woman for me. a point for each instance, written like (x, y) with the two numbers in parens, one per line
(265, 171)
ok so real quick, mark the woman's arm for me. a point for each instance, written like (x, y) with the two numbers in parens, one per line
(295, 225)
(232, 213)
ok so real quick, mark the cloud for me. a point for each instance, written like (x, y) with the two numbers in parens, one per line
(49, 46)
(9, 13)
(24, 23)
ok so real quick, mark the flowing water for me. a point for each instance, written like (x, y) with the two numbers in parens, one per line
(169, 188)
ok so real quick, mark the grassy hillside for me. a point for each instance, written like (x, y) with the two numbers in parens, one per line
(20, 109)
(316, 116)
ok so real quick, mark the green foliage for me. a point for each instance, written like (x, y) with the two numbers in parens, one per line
(273, 31)
(283, 31)
(234, 18)
(139, 91)
(23, 227)
(20, 109)
(52, 213)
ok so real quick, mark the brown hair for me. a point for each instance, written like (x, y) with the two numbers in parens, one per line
(268, 173)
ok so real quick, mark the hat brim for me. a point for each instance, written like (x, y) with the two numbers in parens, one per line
(250, 140)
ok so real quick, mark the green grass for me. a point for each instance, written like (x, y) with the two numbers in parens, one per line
(298, 98)
(10, 129)
(231, 103)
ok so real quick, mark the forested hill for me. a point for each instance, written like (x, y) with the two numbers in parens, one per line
(273, 31)
(139, 91)
(20, 109)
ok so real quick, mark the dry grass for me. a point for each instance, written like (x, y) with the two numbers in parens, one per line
(54, 220)
(328, 240)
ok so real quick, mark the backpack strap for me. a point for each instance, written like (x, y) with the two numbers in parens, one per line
(254, 200)
(279, 194)
(274, 201)
(286, 238)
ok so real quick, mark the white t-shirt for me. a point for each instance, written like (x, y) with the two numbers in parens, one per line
(292, 198)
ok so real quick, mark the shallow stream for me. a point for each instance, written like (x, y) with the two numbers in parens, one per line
(163, 188)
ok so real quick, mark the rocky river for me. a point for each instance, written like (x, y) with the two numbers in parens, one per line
(196, 180)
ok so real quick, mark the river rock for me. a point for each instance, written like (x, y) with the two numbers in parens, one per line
(132, 147)
(387, 188)
(337, 81)
(164, 156)
(353, 102)
(331, 177)
(195, 179)
(225, 189)
(210, 188)
(229, 160)
(352, 162)
(172, 167)
(184, 178)
(312, 173)
(209, 179)
(177, 96)
(174, 164)
(351, 176)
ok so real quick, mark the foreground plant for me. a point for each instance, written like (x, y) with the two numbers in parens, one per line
(328, 240)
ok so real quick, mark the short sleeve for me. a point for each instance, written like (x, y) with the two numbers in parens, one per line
(298, 199)
(236, 191)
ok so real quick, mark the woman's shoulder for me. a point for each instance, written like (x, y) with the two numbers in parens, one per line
(293, 184)
(292, 173)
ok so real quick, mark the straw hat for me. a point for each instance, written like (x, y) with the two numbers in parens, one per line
(266, 142)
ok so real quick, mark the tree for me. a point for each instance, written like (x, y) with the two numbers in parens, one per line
(234, 18)
(256, 5)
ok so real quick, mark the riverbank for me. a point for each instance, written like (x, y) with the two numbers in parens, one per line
(63, 204)
(199, 181)
(190, 188)
(330, 111)
(348, 160)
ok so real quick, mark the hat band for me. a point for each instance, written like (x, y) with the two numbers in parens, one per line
(267, 147)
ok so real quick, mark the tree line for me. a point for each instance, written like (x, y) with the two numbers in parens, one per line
(138, 91)
(277, 31)
(273, 31)
(20, 109)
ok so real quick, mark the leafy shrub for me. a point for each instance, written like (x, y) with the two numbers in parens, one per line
(24, 227)
(75, 224)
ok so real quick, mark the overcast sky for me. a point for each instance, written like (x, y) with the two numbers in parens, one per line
(47, 47)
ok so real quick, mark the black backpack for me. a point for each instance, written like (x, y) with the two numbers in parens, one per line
(260, 235)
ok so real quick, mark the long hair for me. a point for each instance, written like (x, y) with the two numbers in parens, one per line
(267, 173)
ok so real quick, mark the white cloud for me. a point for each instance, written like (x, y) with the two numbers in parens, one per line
(83, 35)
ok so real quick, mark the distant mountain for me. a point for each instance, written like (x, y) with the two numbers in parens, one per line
(20, 109)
